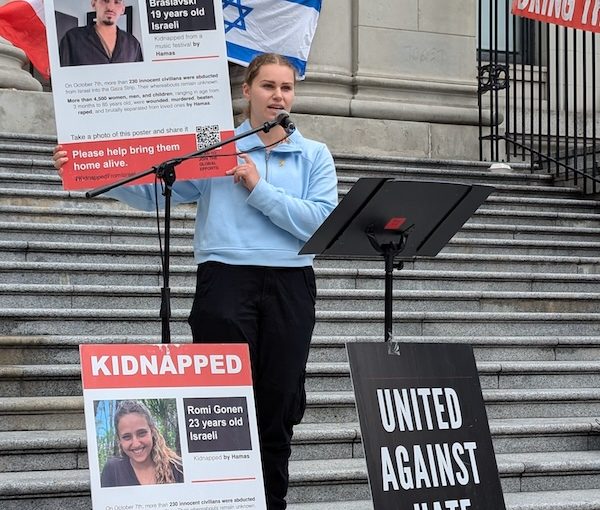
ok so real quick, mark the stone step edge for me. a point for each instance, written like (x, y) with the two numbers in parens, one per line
(35, 289)
(116, 314)
(493, 199)
(320, 272)
(314, 433)
(322, 471)
(180, 212)
(37, 405)
(329, 369)
(70, 341)
(583, 499)
(525, 167)
(82, 228)
(509, 464)
(186, 250)
(347, 176)
(344, 180)
(27, 136)
(378, 162)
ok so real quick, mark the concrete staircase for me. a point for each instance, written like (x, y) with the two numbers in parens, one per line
(520, 282)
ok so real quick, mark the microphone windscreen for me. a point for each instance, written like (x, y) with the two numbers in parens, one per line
(283, 119)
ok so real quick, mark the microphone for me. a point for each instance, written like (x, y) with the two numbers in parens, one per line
(283, 120)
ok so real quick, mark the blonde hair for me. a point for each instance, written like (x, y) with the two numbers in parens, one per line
(164, 458)
(265, 59)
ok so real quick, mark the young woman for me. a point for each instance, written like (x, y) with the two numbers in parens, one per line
(252, 286)
(145, 457)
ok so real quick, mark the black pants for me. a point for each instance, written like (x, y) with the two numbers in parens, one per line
(272, 309)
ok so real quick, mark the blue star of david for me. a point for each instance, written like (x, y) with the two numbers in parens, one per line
(242, 10)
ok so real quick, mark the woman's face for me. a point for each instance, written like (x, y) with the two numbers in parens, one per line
(135, 437)
(271, 91)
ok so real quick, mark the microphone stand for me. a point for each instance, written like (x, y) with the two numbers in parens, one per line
(166, 172)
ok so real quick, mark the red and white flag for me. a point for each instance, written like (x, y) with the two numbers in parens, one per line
(22, 23)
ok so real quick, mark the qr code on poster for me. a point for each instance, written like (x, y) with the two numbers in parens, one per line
(207, 135)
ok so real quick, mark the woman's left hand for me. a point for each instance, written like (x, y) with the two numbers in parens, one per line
(246, 173)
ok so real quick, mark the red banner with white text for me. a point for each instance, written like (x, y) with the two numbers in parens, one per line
(166, 366)
(579, 14)
(99, 162)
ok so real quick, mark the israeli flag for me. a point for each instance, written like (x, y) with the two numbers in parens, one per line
(286, 27)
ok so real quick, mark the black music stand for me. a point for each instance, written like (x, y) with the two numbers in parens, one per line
(396, 218)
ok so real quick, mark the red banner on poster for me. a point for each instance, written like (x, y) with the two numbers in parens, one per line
(579, 14)
(164, 366)
(99, 162)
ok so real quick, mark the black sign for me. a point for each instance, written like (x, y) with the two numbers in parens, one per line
(180, 15)
(217, 424)
(424, 427)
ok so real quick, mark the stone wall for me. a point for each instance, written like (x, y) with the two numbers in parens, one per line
(393, 77)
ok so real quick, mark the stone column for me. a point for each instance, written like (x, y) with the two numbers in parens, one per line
(12, 74)
(23, 107)
(394, 76)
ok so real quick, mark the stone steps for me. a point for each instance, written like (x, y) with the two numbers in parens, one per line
(519, 472)
(547, 218)
(66, 412)
(500, 403)
(493, 375)
(181, 217)
(18, 321)
(522, 247)
(53, 273)
(55, 198)
(61, 349)
(53, 413)
(65, 379)
(22, 451)
(184, 216)
(533, 256)
(17, 154)
(351, 300)
(585, 499)
(111, 235)
(486, 348)
(336, 479)
(48, 179)
(67, 449)
(519, 283)
(22, 150)
(26, 168)
(142, 233)
(28, 139)
(501, 188)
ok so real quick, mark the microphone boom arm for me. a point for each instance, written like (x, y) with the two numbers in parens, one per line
(265, 128)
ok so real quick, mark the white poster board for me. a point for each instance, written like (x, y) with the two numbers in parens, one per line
(119, 118)
(200, 399)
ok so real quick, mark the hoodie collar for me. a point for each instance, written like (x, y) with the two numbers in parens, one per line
(245, 144)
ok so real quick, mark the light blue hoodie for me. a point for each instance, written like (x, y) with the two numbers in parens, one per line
(267, 227)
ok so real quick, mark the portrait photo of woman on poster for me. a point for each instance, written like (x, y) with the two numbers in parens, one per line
(138, 442)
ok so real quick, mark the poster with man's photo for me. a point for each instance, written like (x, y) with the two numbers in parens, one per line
(138, 82)
(170, 426)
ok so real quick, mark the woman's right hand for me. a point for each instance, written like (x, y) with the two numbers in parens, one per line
(60, 158)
